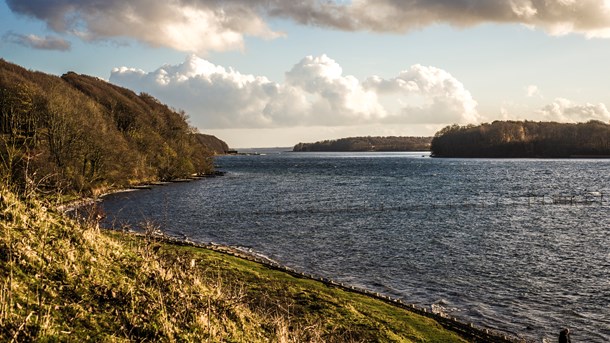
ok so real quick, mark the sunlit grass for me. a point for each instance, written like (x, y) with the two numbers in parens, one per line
(68, 281)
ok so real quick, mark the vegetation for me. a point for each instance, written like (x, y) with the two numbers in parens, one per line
(368, 144)
(215, 145)
(67, 281)
(78, 133)
(523, 139)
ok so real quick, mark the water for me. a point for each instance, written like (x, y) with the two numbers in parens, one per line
(518, 246)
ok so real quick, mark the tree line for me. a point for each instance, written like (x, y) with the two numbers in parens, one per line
(518, 139)
(390, 143)
(78, 133)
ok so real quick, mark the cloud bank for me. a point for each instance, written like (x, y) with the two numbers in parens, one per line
(185, 25)
(314, 93)
(37, 42)
(204, 25)
(564, 110)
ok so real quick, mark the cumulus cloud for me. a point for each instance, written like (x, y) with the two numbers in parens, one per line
(564, 110)
(445, 99)
(203, 25)
(37, 42)
(314, 92)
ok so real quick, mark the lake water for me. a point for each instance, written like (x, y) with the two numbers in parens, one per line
(519, 246)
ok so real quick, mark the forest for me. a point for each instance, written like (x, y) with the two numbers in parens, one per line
(523, 139)
(78, 133)
(389, 143)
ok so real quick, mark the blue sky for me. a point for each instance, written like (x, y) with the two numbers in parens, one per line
(273, 74)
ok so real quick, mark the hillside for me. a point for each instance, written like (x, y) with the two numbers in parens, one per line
(68, 281)
(79, 133)
(389, 143)
(519, 139)
(213, 144)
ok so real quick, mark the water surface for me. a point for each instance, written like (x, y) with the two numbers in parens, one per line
(520, 246)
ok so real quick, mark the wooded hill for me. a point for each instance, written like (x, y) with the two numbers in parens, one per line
(389, 143)
(78, 133)
(215, 145)
(505, 139)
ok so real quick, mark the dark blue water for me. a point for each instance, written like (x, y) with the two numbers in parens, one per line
(519, 246)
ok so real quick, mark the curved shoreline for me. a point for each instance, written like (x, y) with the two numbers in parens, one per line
(469, 331)
(87, 201)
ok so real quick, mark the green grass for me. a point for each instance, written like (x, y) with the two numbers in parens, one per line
(65, 281)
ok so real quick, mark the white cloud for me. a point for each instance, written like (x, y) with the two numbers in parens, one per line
(205, 25)
(564, 110)
(315, 92)
(338, 98)
(445, 98)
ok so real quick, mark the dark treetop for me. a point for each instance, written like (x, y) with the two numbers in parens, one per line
(78, 132)
(512, 139)
(389, 143)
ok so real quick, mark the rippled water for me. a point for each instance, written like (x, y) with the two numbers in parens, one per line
(520, 246)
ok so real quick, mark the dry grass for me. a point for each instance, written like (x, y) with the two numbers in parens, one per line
(68, 281)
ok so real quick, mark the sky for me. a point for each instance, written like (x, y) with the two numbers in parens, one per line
(270, 73)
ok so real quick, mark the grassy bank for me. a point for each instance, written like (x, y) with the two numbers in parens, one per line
(65, 281)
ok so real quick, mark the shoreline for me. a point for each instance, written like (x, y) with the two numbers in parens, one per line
(73, 205)
(469, 331)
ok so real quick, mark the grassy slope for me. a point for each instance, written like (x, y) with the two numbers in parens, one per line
(64, 281)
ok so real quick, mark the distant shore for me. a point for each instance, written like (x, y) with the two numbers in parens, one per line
(367, 144)
(524, 139)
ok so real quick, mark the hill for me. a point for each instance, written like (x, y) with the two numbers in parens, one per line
(215, 145)
(368, 144)
(80, 133)
(518, 139)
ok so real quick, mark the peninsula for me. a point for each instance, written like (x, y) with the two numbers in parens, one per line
(524, 139)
